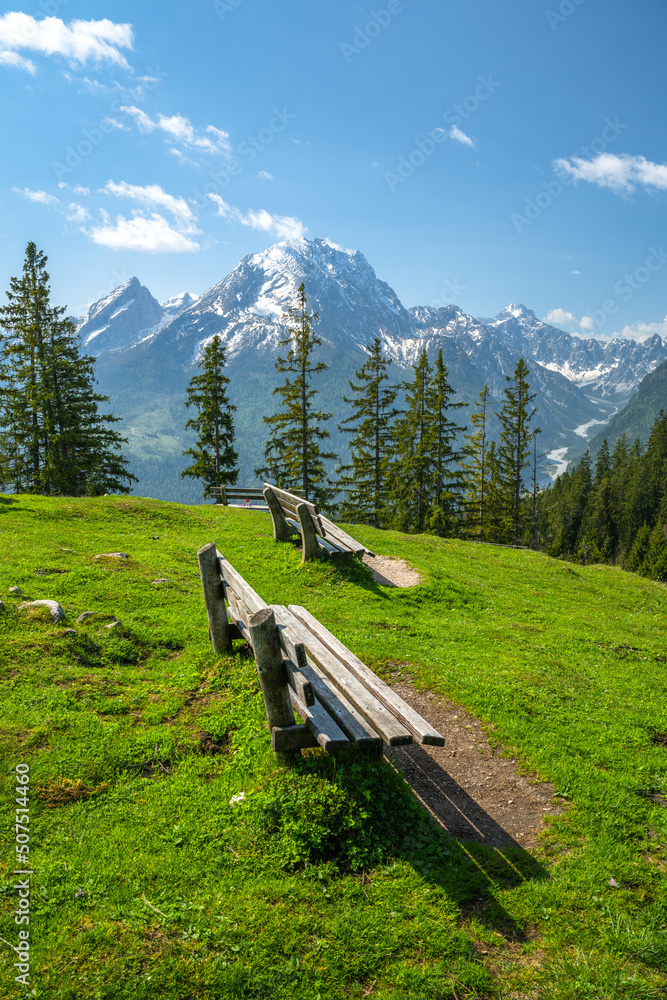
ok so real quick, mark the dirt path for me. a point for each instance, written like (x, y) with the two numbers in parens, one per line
(392, 572)
(472, 791)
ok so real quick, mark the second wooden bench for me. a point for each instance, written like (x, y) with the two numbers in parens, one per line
(291, 515)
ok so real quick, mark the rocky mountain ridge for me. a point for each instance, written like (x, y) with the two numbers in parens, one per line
(147, 353)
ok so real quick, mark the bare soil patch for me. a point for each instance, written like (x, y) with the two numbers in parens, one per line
(468, 787)
(392, 572)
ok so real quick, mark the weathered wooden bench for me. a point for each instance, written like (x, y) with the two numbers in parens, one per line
(303, 668)
(292, 515)
(239, 496)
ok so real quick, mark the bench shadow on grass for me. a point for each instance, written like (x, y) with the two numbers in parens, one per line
(493, 858)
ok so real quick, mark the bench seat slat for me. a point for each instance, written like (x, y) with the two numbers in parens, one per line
(370, 708)
(321, 725)
(419, 727)
(332, 532)
(339, 708)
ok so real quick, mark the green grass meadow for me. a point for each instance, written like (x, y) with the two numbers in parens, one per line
(327, 881)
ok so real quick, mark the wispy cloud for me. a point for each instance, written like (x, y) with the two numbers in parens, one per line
(285, 227)
(458, 135)
(153, 196)
(622, 174)
(79, 42)
(264, 175)
(41, 197)
(181, 130)
(77, 213)
(151, 234)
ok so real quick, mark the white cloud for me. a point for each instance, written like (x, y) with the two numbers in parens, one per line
(620, 173)
(144, 123)
(575, 272)
(568, 321)
(459, 136)
(77, 189)
(641, 331)
(77, 213)
(41, 197)
(285, 227)
(181, 130)
(264, 175)
(8, 58)
(145, 235)
(79, 41)
(153, 195)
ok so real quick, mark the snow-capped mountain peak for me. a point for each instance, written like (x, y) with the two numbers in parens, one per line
(179, 303)
(340, 284)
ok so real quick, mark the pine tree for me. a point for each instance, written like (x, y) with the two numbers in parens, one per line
(292, 454)
(476, 468)
(53, 440)
(516, 438)
(413, 445)
(447, 475)
(495, 514)
(364, 479)
(215, 459)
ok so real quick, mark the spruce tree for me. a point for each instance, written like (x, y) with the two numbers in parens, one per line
(292, 455)
(516, 438)
(413, 445)
(215, 459)
(363, 481)
(476, 468)
(448, 482)
(53, 439)
(495, 514)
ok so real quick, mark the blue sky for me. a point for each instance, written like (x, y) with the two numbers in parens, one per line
(475, 152)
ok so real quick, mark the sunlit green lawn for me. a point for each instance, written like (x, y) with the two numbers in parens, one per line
(326, 881)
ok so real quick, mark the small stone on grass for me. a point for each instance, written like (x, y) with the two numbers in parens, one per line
(103, 615)
(52, 607)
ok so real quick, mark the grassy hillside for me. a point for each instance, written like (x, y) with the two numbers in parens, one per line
(327, 881)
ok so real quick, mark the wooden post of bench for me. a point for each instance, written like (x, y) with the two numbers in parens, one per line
(311, 548)
(214, 598)
(281, 529)
(272, 674)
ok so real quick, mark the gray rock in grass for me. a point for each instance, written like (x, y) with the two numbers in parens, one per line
(53, 607)
(111, 555)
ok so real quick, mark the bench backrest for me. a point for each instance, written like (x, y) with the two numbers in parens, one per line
(289, 503)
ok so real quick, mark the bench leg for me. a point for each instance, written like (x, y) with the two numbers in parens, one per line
(281, 529)
(214, 599)
(272, 678)
(310, 546)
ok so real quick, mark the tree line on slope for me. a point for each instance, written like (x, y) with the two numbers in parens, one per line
(408, 468)
(615, 513)
(416, 469)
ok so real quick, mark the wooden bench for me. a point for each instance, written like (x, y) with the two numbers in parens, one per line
(239, 496)
(303, 668)
(292, 515)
